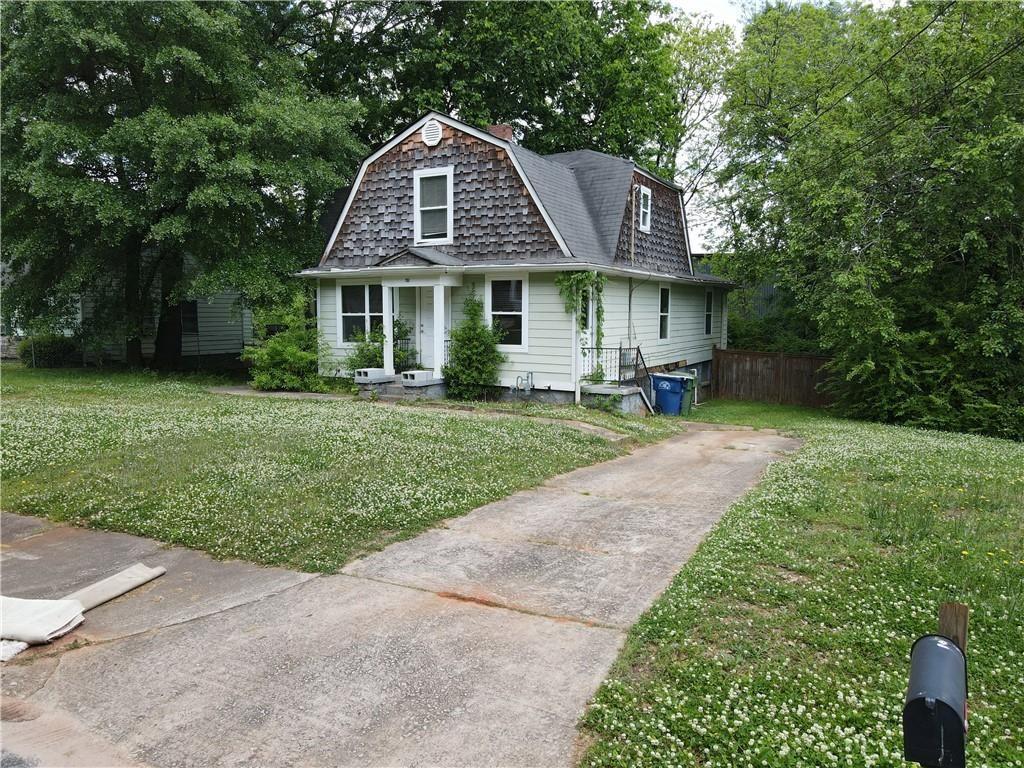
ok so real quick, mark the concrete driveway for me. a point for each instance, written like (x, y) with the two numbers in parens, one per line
(476, 643)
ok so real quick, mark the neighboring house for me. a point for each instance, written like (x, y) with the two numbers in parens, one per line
(214, 331)
(443, 209)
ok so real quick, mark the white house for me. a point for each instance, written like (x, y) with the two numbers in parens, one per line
(444, 208)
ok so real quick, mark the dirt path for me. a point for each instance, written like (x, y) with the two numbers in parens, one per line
(478, 643)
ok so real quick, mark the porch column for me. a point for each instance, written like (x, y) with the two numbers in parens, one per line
(438, 329)
(389, 333)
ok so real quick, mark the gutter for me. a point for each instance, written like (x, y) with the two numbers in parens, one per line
(481, 268)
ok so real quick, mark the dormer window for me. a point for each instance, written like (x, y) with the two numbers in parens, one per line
(432, 206)
(645, 209)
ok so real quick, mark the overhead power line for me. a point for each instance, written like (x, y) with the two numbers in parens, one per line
(867, 78)
(1006, 50)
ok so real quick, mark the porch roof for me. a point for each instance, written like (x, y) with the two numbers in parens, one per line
(417, 255)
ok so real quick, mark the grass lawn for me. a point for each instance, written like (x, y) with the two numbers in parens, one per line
(640, 430)
(785, 640)
(306, 484)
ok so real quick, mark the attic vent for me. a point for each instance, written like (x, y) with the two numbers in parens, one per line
(431, 133)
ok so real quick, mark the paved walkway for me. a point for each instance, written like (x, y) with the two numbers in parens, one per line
(478, 643)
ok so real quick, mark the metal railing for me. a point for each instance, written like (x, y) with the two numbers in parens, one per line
(616, 365)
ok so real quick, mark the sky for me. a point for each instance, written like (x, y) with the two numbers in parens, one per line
(722, 12)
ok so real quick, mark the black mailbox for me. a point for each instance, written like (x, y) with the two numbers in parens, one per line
(935, 712)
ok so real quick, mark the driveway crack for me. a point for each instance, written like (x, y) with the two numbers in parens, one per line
(489, 603)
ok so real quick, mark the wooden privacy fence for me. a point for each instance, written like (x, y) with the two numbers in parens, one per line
(770, 377)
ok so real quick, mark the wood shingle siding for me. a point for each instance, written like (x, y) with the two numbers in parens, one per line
(663, 249)
(493, 217)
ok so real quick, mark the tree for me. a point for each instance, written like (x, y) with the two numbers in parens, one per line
(875, 172)
(152, 149)
(474, 362)
(566, 75)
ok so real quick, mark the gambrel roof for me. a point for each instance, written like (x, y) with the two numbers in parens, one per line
(583, 198)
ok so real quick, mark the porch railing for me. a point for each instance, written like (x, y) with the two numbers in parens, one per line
(616, 365)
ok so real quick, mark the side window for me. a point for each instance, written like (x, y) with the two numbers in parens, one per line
(709, 308)
(664, 306)
(190, 317)
(432, 201)
(645, 209)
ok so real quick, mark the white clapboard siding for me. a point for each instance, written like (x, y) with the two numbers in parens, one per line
(687, 340)
(549, 329)
(224, 329)
(112, 351)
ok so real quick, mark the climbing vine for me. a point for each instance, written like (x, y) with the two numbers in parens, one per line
(574, 287)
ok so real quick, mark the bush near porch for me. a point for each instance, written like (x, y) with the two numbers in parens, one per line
(784, 641)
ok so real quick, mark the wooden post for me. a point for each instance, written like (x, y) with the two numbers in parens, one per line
(716, 367)
(953, 623)
(778, 376)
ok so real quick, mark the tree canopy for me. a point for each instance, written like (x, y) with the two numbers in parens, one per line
(875, 173)
(135, 134)
(148, 145)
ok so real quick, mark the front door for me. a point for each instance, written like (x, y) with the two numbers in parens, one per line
(425, 323)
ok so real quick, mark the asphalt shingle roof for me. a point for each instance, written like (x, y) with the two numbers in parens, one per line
(604, 182)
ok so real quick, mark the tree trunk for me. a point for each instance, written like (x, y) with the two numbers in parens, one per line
(133, 306)
(167, 354)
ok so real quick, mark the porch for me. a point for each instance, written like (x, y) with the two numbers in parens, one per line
(413, 314)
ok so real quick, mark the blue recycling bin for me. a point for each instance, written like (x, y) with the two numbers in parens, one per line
(668, 393)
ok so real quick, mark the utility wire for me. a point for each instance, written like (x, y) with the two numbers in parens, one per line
(867, 78)
(1003, 53)
(874, 72)
(828, 162)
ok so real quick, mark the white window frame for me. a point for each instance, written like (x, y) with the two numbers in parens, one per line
(447, 172)
(525, 278)
(667, 314)
(366, 313)
(709, 312)
(645, 195)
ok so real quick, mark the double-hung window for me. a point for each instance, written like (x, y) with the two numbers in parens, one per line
(432, 206)
(506, 304)
(709, 308)
(645, 209)
(362, 310)
(664, 305)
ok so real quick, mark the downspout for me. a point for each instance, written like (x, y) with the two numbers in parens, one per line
(632, 261)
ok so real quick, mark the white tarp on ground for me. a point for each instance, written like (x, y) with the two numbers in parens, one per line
(115, 586)
(38, 621)
(33, 622)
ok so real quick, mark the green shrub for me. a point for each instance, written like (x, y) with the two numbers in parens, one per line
(369, 350)
(50, 350)
(288, 359)
(473, 359)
